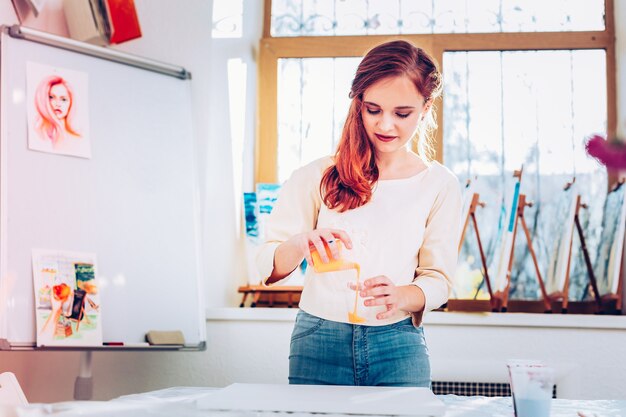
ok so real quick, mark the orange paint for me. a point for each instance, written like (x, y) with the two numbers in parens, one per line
(339, 264)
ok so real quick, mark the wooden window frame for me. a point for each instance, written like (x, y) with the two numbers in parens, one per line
(274, 48)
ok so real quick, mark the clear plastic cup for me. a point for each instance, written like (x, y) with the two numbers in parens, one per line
(532, 385)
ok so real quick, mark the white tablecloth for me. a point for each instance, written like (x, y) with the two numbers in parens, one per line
(180, 402)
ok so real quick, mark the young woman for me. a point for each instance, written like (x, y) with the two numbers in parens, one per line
(396, 213)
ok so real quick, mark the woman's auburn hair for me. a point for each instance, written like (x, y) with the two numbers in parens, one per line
(46, 122)
(349, 182)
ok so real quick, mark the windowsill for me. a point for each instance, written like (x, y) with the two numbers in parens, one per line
(251, 314)
(438, 318)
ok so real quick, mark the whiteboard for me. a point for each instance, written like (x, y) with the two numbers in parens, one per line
(134, 203)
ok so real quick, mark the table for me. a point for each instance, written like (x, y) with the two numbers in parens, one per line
(179, 401)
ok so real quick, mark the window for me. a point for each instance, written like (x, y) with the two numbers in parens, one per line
(507, 109)
(392, 17)
(309, 106)
(525, 82)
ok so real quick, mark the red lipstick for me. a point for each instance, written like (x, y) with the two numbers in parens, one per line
(384, 138)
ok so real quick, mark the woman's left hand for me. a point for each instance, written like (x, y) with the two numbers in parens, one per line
(383, 292)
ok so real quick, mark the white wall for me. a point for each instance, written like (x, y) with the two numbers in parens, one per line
(7, 14)
(248, 350)
(181, 35)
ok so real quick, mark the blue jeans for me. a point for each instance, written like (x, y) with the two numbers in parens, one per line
(325, 352)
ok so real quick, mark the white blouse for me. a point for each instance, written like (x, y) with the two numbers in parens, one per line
(408, 231)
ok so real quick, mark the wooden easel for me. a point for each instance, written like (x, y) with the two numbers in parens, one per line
(523, 203)
(502, 298)
(604, 302)
(563, 294)
(583, 246)
(471, 214)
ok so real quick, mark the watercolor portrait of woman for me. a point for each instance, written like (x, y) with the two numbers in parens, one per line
(56, 125)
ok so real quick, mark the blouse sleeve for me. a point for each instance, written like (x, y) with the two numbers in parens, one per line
(437, 258)
(296, 211)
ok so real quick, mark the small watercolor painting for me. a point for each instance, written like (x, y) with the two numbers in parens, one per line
(266, 196)
(67, 303)
(252, 239)
(252, 224)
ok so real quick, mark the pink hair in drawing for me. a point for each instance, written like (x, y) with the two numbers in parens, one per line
(54, 102)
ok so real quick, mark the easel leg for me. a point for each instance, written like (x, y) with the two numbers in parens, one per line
(496, 304)
(546, 299)
(592, 277)
(483, 259)
(565, 289)
(505, 294)
(243, 300)
(255, 298)
(620, 289)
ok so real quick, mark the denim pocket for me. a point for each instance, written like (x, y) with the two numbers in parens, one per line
(407, 326)
(414, 336)
(306, 324)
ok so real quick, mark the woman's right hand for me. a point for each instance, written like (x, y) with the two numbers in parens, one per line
(316, 238)
(289, 254)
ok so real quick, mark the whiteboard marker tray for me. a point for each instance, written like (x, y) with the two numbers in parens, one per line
(329, 399)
